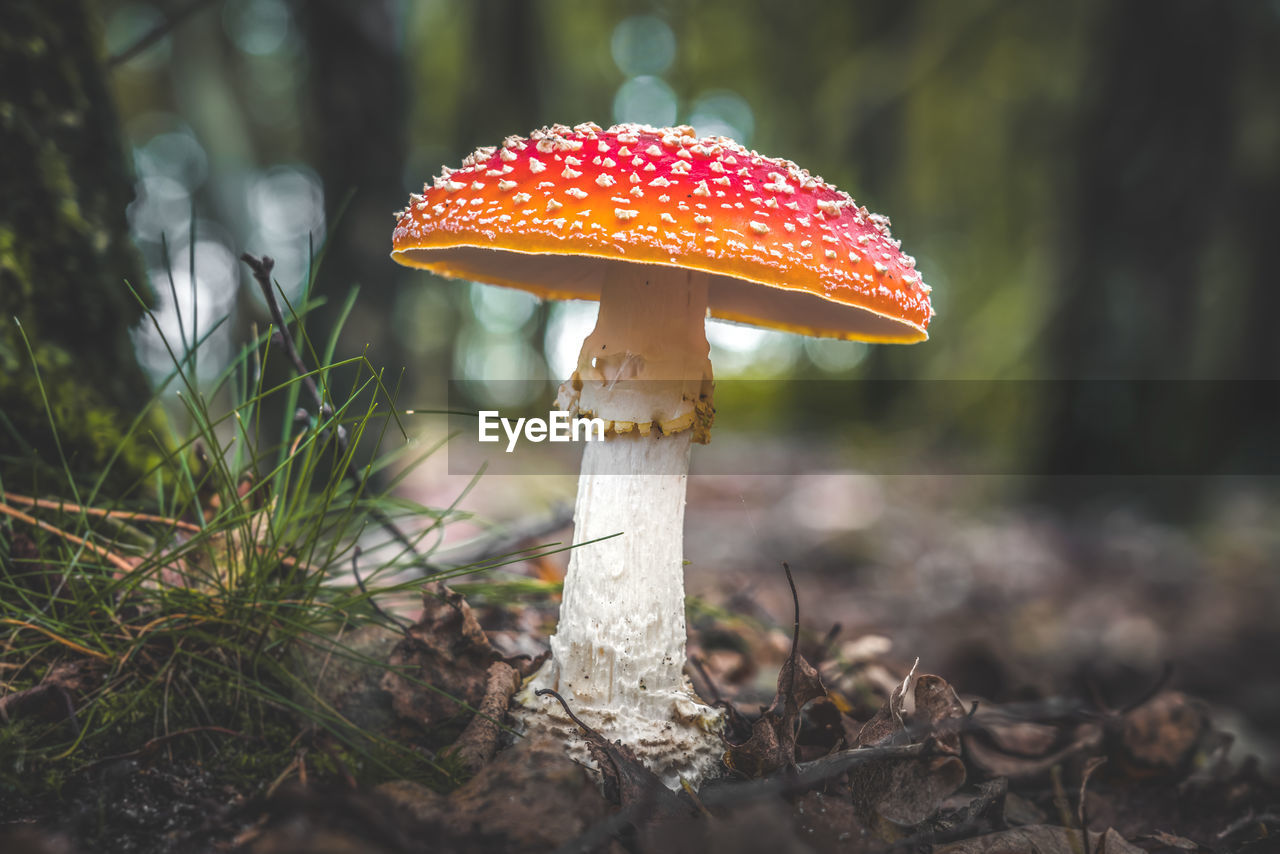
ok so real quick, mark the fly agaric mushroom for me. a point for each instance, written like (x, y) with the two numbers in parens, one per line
(664, 229)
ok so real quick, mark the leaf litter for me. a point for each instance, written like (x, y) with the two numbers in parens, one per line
(807, 771)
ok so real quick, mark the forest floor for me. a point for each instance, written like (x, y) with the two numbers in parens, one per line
(968, 674)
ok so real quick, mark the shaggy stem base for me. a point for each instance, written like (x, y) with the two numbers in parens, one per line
(618, 654)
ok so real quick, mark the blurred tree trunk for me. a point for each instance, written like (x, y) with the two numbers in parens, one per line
(1153, 149)
(65, 251)
(1253, 199)
(357, 123)
(503, 91)
(1151, 158)
(357, 130)
(1245, 417)
(503, 94)
(876, 146)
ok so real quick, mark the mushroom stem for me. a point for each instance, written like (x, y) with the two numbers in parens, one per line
(621, 638)
(646, 365)
(619, 651)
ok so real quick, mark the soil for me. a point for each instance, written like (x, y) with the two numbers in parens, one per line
(988, 679)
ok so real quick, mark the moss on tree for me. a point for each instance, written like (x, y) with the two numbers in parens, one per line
(65, 252)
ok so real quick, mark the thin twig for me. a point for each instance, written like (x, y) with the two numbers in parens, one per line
(106, 554)
(1082, 808)
(1063, 805)
(1248, 819)
(795, 601)
(795, 636)
(736, 794)
(355, 571)
(700, 666)
(262, 275)
(693, 796)
(261, 268)
(157, 32)
(124, 515)
(542, 692)
(69, 644)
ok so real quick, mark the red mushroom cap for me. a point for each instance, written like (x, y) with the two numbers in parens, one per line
(783, 248)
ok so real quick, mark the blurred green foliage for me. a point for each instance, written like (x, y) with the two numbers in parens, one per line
(1089, 187)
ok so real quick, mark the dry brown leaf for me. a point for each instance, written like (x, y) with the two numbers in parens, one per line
(1171, 840)
(759, 755)
(772, 744)
(981, 807)
(448, 656)
(1004, 745)
(922, 705)
(530, 797)
(827, 822)
(823, 730)
(1160, 737)
(906, 792)
(58, 695)
(1041, 839)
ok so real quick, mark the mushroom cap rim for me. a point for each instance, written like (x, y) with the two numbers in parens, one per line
(912, 332)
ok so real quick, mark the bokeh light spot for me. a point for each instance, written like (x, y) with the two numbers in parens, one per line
(568, 326)
(833, 356)
(177, 155)
(257, 27)
(738, 349)
(287, 202)
(720, 112)
(499, 370)
(190, 309)
(159, 202)
(501, 310)
(645, 100)
(643, 44)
